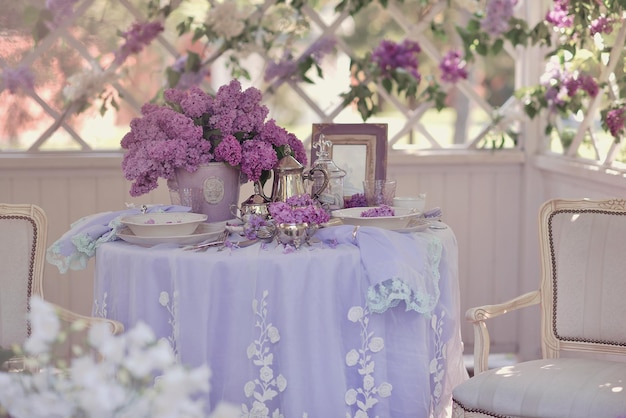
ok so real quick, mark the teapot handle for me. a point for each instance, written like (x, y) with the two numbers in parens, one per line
(309, 177)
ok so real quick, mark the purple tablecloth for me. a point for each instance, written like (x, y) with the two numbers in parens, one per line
(296, 333)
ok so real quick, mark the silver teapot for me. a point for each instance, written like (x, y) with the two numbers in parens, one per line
(289, 177)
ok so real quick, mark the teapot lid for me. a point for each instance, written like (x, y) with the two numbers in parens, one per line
(289, 163)
(255, 199)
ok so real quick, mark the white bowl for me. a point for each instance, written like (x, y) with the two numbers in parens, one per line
(163, 224)
(400, 220)
(416, 202)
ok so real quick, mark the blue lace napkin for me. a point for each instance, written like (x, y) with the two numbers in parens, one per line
(399, 267)
(78, 245)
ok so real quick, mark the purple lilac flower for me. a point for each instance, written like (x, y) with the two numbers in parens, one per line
(195, 103)
(14, 79)
(138, 36)
(60, 9)
(499, 12)
(281, 212)
(298, 209)
(252, 226)
(601, 25)
(320, 48)
(287, 67)
(188, 78)
(229, 150)
(589, 84)
(235, 111)
(382, 210)
(615, 119)
(390, 56)
(559, 16)
(257, 156)
(452, 67)
(357, 200)
(157, 143)
(283, 69)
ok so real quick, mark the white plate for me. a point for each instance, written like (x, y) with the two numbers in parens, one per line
(163, 224)
(415, 225)
(204, 232)
(401, 219)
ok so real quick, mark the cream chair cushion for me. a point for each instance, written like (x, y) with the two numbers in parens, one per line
(561, 387)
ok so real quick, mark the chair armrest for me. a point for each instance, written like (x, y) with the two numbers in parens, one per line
(66, 315)
(480, 314)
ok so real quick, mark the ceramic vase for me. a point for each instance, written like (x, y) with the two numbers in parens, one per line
(212, 190)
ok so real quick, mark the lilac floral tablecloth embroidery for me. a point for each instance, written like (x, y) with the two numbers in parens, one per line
(302, 334)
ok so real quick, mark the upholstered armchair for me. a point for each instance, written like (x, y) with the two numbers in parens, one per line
(582, 298)
(23, 235)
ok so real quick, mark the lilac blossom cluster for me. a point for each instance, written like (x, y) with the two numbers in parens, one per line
(357, 200)
(390, 56)
(136, 38)
(452, 67)
(298, 209)
(615, 119)
(195, 128)
(60, 9)
(159, 142)
(14, 79)
(601, 25)
(252, 225)
(559, 15)
(496, 20)
(287, 67)
(562, 85)
(382, 210)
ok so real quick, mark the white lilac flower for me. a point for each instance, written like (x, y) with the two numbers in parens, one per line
(45, 326)
(226, 20)
(88, 83)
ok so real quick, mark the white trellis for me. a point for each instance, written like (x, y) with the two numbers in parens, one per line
(413, 121)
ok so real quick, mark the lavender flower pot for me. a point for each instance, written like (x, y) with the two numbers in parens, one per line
(212, 190)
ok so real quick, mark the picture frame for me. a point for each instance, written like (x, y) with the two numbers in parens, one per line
(358, 148)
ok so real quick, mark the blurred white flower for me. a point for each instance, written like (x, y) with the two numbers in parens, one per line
(88, 83)
(45, 326)
(226, 20)
(129, 375)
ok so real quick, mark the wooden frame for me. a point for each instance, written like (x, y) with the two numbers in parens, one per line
(358, 148)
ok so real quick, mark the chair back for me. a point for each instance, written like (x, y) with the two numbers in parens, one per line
(23, 234)
(583, 287)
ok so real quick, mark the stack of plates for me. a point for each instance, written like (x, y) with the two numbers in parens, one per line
(176, 227)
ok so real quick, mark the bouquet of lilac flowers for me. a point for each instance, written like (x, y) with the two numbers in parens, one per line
(195, 128)
(298, 209)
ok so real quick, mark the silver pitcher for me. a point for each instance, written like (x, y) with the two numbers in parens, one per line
(289, 177)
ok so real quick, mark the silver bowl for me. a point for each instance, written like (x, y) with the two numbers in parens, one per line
(292, 233)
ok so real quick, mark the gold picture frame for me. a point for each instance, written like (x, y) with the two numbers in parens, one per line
(358, 148)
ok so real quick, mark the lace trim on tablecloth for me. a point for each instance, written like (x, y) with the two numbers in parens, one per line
(422, 296)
